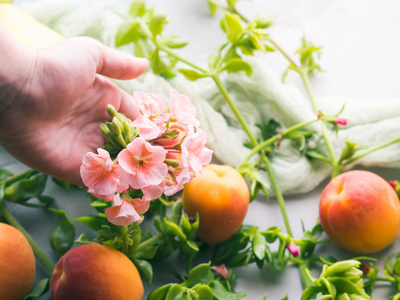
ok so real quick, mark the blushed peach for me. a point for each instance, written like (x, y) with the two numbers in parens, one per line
(360, 212)
(95, 272)
(221, 197)
(17, 264)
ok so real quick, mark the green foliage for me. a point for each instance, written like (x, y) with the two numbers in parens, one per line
(40, 289)
(249, 245)
(200, 283)
(26, 189)
(63, 236)
(339, 280)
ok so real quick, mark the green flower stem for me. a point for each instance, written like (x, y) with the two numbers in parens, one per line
(353, 159)
(328, 143)
(287, 56)
(18, 177)
(278, 194)
(305, 279)
(40, 255)
(234, 109)
(275, 138)
(178, 57)
(155, 239)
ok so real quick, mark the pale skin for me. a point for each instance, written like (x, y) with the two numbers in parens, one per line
(52, 101)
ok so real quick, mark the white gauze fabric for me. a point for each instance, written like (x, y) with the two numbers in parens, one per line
(259, 98)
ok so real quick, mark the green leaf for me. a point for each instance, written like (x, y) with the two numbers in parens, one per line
(200, 274)
(309, 293)
(162, 63)
(259, 246)
(26, 189)
(396, 266)
(172, 41)
(127, 33)
(83, 240)
(94, 222)
(148, 253)
(175, 292)
(204, 292)
(221, 293)
(265, 20)
(255, 40)
(144, 48)
(137, 8)
(237, 65)
(175, 230)
(192, 75)
(215, 56)
(157, 23)
(63, 236)
(160, 293)
(213, 6)
(348, 151)
(4, 174)
(230, 24)
(41, 288)
(145, 269)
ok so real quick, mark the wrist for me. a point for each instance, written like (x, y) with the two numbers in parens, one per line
(16, 61)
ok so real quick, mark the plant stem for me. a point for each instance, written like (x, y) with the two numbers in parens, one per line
(234, 109)
(287, 56)
(40, 255)
(278, 194)
(353, 159)
(18, 177)
(275, 138)
(178, 57)
(328, 143)
(151, 241)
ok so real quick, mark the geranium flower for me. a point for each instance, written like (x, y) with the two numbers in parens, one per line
(182, 109)
(194, 153)
(126, 211)
(144, 162)
(101, 175)
(151, 121)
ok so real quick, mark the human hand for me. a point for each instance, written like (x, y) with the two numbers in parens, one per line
(52, 101)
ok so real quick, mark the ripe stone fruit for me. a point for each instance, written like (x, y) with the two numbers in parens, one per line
(221, 197)
(95, 272)
(360, 212)
(17, 264)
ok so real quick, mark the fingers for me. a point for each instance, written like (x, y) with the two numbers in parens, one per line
(117, 65)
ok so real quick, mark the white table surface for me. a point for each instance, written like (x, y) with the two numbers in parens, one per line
(361, 43)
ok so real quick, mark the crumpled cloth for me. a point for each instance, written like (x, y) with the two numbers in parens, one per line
(259, 98)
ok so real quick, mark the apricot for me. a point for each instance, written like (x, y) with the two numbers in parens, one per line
(221, 197)
(17, 264)
(360, 212)
(94, 272)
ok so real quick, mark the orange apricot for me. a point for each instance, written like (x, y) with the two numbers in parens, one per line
(360, 212)
(221, 197)
(95, 272)
(17, 264)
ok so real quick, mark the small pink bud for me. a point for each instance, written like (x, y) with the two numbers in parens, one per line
(393, 184)
(365, 269)
(222, 270)
(341, 121)
(292, 247)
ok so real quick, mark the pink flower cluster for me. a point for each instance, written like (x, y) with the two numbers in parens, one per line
(167, 153)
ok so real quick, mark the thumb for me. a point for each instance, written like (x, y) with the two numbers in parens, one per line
(115, 64)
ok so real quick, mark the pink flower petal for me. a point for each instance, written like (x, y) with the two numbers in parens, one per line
(123, 214)
(182, 109)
